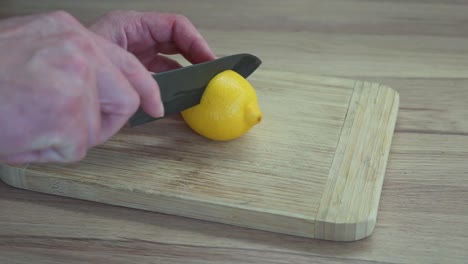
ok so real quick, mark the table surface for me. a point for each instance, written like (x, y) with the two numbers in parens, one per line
(418, 47)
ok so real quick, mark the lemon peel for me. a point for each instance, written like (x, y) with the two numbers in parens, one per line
(228, 108)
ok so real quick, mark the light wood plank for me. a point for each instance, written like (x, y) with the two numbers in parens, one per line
(349, 204)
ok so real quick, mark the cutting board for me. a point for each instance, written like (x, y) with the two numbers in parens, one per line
(314, 167)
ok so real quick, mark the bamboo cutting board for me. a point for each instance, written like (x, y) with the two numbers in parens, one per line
(313, 167)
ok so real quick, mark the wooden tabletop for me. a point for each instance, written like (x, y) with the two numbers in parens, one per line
(419, 47)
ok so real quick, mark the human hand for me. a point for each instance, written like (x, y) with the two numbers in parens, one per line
(64, 89)
(148, 34)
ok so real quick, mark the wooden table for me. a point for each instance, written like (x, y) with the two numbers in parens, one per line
(420, 48)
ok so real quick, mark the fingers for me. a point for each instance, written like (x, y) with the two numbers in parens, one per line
(137, 76)
(174, 33)
(158, 32)
(117, 99)
(156, 63)
(161, 64)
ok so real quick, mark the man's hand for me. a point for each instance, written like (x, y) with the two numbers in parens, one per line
(64, 89)
(148, 34)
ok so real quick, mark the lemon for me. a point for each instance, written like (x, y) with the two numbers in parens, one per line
(228, 108)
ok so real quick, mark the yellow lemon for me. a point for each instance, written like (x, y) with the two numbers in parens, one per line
(227, 110)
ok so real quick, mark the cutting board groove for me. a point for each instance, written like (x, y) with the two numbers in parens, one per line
(314, 167)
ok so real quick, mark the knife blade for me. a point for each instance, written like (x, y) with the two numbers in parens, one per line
(183, 88)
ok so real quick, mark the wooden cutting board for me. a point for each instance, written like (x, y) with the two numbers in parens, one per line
(313, 167)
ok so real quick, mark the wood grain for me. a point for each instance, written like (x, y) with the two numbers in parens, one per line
(349, 203)
(418, 47)
(325, 145)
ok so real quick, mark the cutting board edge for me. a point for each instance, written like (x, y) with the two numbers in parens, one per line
(236, 216)
(339, 218)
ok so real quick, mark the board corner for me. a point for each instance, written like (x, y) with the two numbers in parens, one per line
(13, 176)
(344, 231)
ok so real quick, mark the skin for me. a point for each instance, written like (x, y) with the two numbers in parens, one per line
(65, 88)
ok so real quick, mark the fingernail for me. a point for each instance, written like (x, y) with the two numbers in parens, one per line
(160, 110)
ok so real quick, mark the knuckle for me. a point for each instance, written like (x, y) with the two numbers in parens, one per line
(68, 145)
(76, 59)
(71, 52)
(130, 65)
(181, 18)
(130, 103)
(78, 65)
(124, 106)
(75, 53)
(75, 40)
(63, 17)
(74, 147)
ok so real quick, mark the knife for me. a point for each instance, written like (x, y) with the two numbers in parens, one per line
(183, 88)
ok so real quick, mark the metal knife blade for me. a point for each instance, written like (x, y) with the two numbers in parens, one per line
(183, 88)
